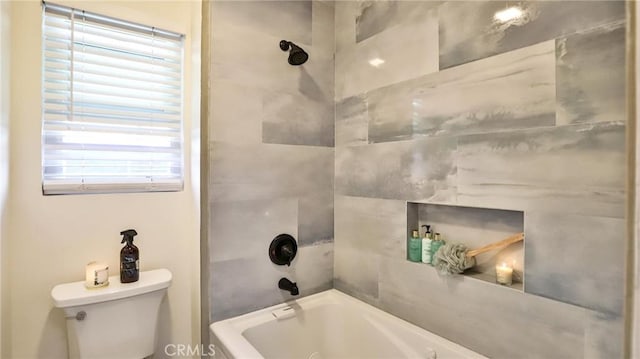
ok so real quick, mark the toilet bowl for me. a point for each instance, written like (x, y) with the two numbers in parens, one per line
(117, 321)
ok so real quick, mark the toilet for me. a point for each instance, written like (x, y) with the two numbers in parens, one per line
(117, 321)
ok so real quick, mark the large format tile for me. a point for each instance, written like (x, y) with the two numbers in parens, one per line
(236, 113)
(576, 259)
(591, 76)
(232, 294)
(345, 24)
(244, 55)
(510, 91)
(296, 119)
(512, 324)
(573, 169)
(290, 20)
(323, 26)
(241, 229)
(421, 170)
(373, 17)
(304, 114)
(483, 36)
(604, 336)
(356, 273)
(407, 51)
(264, 171)
(370, 225)
(315, 217)
(352, 121)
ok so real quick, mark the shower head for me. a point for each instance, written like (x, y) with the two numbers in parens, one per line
(297, 56)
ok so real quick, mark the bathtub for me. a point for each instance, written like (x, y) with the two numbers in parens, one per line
(327, 325)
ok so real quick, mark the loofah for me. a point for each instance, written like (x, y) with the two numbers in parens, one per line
(452, 259)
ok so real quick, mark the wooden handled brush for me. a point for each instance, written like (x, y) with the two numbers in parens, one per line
(456, 258)
(503, 243)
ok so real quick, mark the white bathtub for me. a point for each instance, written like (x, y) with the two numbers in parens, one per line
(327, 325)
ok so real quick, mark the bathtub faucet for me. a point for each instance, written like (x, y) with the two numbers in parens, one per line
(288, 285)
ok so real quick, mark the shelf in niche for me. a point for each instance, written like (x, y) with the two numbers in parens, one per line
(474, 227)
(491, 278)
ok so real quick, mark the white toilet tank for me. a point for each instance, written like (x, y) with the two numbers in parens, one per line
(117, 321)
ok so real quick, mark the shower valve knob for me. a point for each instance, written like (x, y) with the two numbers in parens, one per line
(283, 249)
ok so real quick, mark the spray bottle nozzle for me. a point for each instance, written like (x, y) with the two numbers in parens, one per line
(128, 235)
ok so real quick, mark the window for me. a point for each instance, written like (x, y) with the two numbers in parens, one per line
(112, 105)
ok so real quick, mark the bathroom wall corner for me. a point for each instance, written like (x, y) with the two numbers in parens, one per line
(632, 288)
(205, 73)
(5, 340)
(196, 140)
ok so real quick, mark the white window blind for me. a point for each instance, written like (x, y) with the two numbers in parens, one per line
(112, 105)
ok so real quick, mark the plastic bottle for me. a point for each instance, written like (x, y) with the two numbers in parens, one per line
(415, 247)
(435, 245)
(426, 245)
(129, 258)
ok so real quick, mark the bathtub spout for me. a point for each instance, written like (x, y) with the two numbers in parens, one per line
(288, 285)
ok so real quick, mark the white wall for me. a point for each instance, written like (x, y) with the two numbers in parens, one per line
(4, 164)
(51, 238)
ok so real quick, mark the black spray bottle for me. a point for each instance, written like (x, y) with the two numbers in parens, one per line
(129, 258)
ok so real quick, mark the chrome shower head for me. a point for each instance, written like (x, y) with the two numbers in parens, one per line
(297, 56)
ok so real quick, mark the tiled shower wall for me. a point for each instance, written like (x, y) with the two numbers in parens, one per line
(527, 115)
(271, 156)
(464, 111)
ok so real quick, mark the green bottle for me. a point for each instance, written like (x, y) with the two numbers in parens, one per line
(415, 247)
(435, 245)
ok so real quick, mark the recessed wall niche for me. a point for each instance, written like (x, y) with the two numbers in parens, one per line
(474, 227)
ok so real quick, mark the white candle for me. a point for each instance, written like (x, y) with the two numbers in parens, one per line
(96, 275)
(504, 274)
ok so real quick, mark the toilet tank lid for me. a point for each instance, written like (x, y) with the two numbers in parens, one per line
(74, 294)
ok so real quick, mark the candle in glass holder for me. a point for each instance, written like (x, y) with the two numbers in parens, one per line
(96, 275)
(504, 274)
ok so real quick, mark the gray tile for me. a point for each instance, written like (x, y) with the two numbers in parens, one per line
(373, 17)
(236, 113)
(244, 55)
(510, 91)
(352, 121)
(591, 76)
(576, 259)
(483, 36)
(313, 270)
(295, 119)
(513, 324)
(345, 24)
(257, 287)
(264, 171)
(418, 170)
(240, 229)
(323, 26)
(315, 217)
(231, 296)
(604, 336)
(290, 20)
(407, 51)
(356, 273)
(576, 169)
(370, 225)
